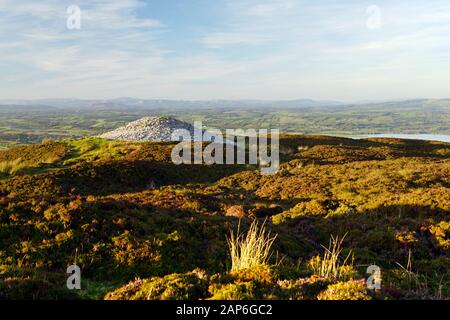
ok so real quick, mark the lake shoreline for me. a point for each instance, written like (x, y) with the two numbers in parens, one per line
(425, 137)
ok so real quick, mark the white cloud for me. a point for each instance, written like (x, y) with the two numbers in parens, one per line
(271, 8)
(219, 40)
(255, 49)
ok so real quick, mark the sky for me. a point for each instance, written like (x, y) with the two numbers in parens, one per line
(346, 50)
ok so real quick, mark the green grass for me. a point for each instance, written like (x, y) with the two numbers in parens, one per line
(92, 149)
(95, 290)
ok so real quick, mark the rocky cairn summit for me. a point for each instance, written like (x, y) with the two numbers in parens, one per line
(148, 129)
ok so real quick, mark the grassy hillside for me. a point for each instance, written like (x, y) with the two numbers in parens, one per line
(143, 228)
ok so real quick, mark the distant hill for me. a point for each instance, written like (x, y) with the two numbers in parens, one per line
(163, 103)
(126, 102)
(25, 122)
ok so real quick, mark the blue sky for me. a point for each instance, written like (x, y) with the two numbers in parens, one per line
(226, 49)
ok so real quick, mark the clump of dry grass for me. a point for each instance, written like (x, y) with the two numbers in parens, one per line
(331, 265)
(418, 283)
(11, 167)
(252, 249)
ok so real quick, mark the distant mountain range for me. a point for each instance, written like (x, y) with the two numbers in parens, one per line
(121, 103)
(162, 103)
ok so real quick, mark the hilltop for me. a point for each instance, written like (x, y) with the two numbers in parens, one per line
(141, 227)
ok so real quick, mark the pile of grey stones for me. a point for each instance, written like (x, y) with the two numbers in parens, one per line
(148, 129)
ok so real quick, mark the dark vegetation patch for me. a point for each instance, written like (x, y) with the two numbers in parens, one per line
(142, 228)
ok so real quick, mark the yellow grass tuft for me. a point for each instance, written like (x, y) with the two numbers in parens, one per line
(252, 249)
(331, 266)
(12, 167)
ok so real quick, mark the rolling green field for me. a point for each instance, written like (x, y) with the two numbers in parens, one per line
(25, 125)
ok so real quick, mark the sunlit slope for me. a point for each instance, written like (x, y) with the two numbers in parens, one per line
(124, 210)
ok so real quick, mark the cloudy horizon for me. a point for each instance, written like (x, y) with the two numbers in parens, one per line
(229, 49)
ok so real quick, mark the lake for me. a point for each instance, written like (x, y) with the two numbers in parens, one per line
(435, 137)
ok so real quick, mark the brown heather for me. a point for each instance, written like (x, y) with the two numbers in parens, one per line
(143, 228)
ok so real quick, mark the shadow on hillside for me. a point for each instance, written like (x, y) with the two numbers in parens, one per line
(120, 176)
(381, 235)
(290, 145)
(229, 196)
